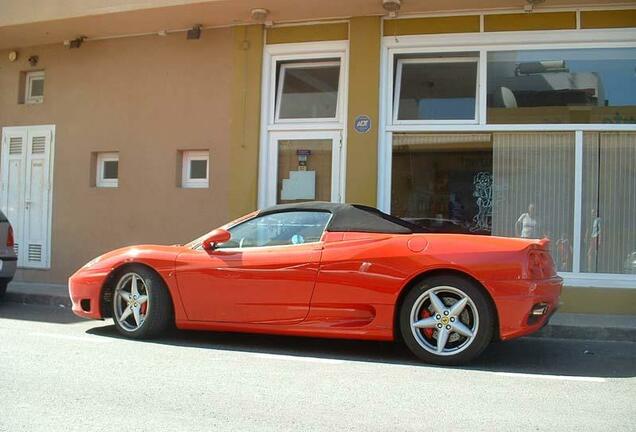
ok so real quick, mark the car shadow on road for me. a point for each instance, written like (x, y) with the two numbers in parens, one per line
(39, 313)
(540, 356)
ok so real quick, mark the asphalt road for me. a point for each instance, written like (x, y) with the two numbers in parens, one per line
(59, 373)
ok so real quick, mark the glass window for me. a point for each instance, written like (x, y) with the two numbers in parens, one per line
(608, 225)
(111, 168)
(107, 170)
(443, 181)
(562, 86)
(34, 92)
(277, 229)
(304, 170)
(198, 169)
(308, 90)
(195, 169)
(436, 89)
(506, 184)
(533, 189)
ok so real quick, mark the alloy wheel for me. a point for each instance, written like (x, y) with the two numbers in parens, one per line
(444, 320)
(131, 302)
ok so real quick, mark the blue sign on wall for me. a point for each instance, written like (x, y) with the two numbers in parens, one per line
(362, 124)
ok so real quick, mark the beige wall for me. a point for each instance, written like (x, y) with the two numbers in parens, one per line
(147, 98)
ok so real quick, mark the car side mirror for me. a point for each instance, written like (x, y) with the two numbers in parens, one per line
(219, 235)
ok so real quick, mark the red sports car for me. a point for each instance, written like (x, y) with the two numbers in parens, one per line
(329, 270)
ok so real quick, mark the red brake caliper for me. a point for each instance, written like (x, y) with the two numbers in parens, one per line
(428, 332)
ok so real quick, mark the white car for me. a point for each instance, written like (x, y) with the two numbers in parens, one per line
(8, 258)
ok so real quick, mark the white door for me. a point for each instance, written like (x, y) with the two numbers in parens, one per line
(26, 191)
(304, 166)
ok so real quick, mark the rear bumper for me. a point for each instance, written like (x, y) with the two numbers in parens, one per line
(85, 289)
(515, 300)
(9, 264)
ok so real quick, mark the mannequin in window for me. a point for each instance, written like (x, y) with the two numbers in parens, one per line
(527, 225)
(593, 236)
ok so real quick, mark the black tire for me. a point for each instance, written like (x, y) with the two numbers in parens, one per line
(486, 320)
(3, 288)
(159, 315)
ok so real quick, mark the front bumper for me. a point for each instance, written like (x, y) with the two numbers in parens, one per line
(85, 289)
(515, 300)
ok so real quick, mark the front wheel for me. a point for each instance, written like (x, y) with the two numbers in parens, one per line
(447, 320)
(141, 306)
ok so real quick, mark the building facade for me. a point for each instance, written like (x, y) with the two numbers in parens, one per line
(123, 124)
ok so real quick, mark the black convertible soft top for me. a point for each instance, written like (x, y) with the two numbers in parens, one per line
(352, 217)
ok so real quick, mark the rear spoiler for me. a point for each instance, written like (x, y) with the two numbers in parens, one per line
(543, 243)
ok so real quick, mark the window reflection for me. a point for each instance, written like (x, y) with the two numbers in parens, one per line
(443, 181)
(562, 86)
(505, 184)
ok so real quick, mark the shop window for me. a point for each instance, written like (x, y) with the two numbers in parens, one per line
(562, 86)
(443, 181)
(307, 90)
(608, 226)
(533, 189)
(196, 169)
(436, 90)
(506, 184)
(107, 170)
(34, 90)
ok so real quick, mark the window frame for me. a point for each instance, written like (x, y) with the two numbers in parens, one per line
(29, 78)
(100, 181)
(273, 55)
(187, 181)
(435, 60)
(313, 63)
(485, 42)
(258, 216)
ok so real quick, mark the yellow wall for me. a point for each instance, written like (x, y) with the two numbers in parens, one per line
(364, 96)
(413, 26)
(308, 33)
(608, 19)
(245, 120)
(599, 300)
(530, 21)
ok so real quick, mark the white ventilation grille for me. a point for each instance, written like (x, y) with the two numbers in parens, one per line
(38, 145)
(15, 248)
(15, 145)
(35, 252)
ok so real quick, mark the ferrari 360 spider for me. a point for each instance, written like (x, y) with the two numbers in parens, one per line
(329, 270)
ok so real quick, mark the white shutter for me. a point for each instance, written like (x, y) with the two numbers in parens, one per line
(26, 191)
(14, 148)
(36, 199)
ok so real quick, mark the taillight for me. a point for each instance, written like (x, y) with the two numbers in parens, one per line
(10, 240)
(540, 265)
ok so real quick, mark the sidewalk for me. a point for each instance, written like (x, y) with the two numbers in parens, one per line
(562, 325)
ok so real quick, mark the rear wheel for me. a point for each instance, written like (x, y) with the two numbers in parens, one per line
(141, 303)
(447, 320)
(3, 287)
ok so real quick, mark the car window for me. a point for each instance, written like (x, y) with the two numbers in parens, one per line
(276, 229)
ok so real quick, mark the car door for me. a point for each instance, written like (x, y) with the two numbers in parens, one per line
(265, 273)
